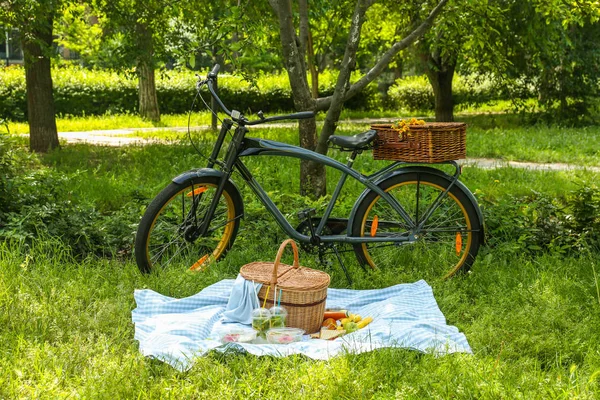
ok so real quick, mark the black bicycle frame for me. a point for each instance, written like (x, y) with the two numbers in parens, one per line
(240, 147)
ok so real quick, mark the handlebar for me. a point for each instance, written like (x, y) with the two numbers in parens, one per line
(211, 89)
(213, 73)
(298, 115)
(236, 115)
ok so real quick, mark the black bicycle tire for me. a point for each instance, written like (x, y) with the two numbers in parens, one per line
(463, 198)
(162, 199)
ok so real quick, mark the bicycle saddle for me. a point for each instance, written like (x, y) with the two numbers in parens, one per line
(356, 142)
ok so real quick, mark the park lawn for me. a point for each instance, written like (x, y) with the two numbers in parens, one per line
(67, 332)
(538, 144)
(66, 326)
(491, 133)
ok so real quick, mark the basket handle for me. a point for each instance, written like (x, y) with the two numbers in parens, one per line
(405, 143)
(280, 254)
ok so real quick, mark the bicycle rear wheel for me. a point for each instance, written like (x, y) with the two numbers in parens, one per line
(448, 241)
(168, 234)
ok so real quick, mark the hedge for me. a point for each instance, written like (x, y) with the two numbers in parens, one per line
(79, 91)
(414, 93)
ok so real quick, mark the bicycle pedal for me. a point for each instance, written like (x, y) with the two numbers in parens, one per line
(306, 213)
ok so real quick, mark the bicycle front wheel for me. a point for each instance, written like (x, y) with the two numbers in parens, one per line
(447, 241)
(169, 232)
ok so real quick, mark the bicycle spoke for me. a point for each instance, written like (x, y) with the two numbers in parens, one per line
(221, 225)
(173, 256)
(462, 229)
(161, 253)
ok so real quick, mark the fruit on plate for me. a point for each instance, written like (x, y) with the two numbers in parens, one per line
(335, 314)
(354, 321)
(364, 322)
(350, 327)
(329, 323)
(355, 317)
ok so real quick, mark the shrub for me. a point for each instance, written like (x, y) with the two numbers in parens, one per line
(539, 223)
(414, 93)
(475, 90)
(13, 100)
(35, 201)
(79, 91)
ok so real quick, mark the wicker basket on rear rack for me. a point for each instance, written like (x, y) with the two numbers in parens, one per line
(303, 291)
(429, 143)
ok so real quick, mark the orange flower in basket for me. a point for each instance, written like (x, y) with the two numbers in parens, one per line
(403, 126)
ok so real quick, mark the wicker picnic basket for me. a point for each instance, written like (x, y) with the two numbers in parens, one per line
(429, 143)
(303, 291)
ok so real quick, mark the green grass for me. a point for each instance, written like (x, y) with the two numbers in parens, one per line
(539, 144)
(65, 322)
(152, 166)
(532, 324)
(497, 106)
(123, 121)
(116, 121)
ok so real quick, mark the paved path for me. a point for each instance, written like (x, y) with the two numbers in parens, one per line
(123, 137)
(490, 163)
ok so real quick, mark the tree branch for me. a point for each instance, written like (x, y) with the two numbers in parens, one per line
(343, 80)
(325, 102)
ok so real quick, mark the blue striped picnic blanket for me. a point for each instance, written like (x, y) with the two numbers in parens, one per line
(405, 315)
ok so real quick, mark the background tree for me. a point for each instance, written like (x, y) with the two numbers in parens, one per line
(465, 35)
(326, 24)
(35, 20)
(239, 35)
(554, 52)
(538, 47)
(79, 28)
(142, 26)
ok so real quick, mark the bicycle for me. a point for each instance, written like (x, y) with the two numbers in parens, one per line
(406, 213)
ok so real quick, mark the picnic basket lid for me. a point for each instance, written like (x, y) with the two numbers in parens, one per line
(286, 277)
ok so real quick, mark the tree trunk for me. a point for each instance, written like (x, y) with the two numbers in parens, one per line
(441, 82)
(313, 177)
(398, 71)
(40, 100)
(145, 71)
